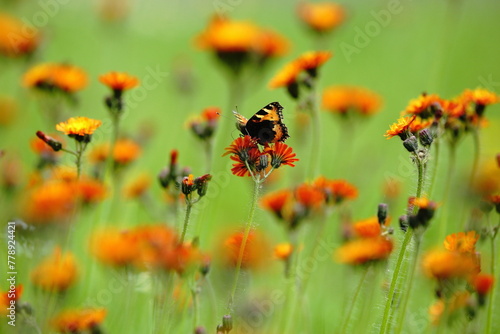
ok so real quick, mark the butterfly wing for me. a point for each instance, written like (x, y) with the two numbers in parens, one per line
(266, 126)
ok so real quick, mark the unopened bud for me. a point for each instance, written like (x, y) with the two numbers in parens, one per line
(54, 144)
(200, 330)
(426, 137)
(201, 184)
(227, 322)
(411, 144)
(382, 213)
(264, 162)
(403, 223)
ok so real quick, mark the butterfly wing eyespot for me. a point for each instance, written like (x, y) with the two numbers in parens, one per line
(266, 126)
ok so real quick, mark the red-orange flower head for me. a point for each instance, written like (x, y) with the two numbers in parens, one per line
(401, 128)
(255, 254)
(79, 321)
(16, 38)
(364, 250)
(336, 191)
(345, 99)
(281, 154)
(60, 77)
(10, 297)
(321, 17)
(481, 98)
(56, 273)
(205, 125)
(424, 106)
(119, 81)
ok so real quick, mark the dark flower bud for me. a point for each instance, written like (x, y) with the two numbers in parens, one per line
(201, 184)
(403, 223)
(411, 144)
(188, 185)
(200, 330)
(164, 177)
(264, 162)
(426, 137)
(479, 109)
(54, 144)
(293, 90)
(382, 213)
(227, 322)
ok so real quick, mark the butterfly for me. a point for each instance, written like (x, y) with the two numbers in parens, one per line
(266, 126)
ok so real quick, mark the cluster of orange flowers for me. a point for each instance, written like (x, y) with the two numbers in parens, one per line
(457, 116)
(145, 247)
(292, 206)
(457, 270)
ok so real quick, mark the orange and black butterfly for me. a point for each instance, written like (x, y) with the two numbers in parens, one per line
(266, 126)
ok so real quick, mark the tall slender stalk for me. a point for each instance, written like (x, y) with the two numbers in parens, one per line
(186, 221)
(489, 317)
(401, 255)
(447, 187)
(248, 227)
(355, 298)
(316, 132)
(475, 161)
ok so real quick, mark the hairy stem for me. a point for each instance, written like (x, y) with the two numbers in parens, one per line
(355, 298)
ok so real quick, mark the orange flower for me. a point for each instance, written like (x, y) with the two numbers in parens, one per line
(179, 257)
(272, 44)
(17, 39)
(322, 16)
(245, 153)
(138, 187)
(78, 126)
(480, 96)
(421, 106)
(419, 124)
(205, 125)
(423, 203)
(458, 301)
(115, 247)
(368, 228)
(446, 265)
(78, 321)
(483, 283)
(336, 190)
(126, 151)
(119, 81)
(99, 153)
(309, 196)
(289, 74)
(56, 272)
(64, 77)
(7, 298)
(360, 251)
(341, 99)
(283, 251)
(281, 154)
(254, 254)
(50, 202)
(90, 190)
(400, 128)
(276, 201)
(462, 242)
(154, 239)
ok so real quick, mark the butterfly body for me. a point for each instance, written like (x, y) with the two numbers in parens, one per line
(266, 126)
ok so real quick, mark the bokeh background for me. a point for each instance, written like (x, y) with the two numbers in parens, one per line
(429, 46)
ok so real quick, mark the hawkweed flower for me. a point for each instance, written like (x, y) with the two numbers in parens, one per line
(321, 17)
(16, 38)
(79, 321)
(481, 98)
(9, 298)
(203, 127)
(460, 301)
(137, 187)
(348, 100)
(89, 190)
(56, 78)
(255, 253)
(336, 191)
(56, 273)
(364, 250)
(115, 247)
(118, 82)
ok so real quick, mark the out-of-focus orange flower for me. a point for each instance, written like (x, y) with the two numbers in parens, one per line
(368, 228)
(419, 124)
(342, 99)
(458, 301)
(55, 273)
(462, 242)
(8, 110)
(276, 201)
(79, 126)
(64, 173)
(480, 96)
(49, 76)
(309, 61)
(441, 265)
(51, 202)
(272, 44)
(309, 196)
(180, 257)
(90, 190)
(401, 128)
(138, 186)
(361, 251)
(423, 203)
(421, 106)
(153, 240)
(119, 81)
(283, 251)
(16, 38)
(78, 321)
(256, 250)
(336, 191)
(483, 283)
(322, 16)
(7, 297)
(205, 125)
(126, 151)
(392, 188)
(115, 247)
(487, 181)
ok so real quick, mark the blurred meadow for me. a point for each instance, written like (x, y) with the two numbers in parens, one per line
(399, 50)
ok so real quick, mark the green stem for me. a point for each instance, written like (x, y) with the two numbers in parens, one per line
(435, 168)
(408, 290)
(79, 151)
(354, 299)
(248, 228)
(291, 300)
(401, 255)
(475, 161)
(186, 221)
(316, 132)
(447, 186)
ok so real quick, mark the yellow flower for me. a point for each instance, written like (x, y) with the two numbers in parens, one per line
(321, 16)
(78, 126)
(56, 273)
(400, 128)
(283, 251)
(462, 242)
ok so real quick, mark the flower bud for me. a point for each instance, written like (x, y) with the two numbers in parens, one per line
(54, 144)
(403, 223)
(227, 322)
(426, 137)
(382, 213)
(201, 184)
(411, 144)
